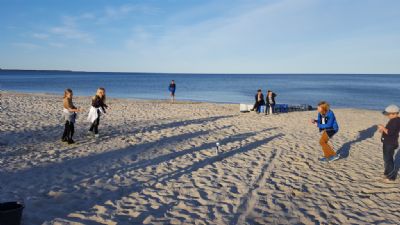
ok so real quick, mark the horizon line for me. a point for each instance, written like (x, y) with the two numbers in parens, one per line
(194, 73)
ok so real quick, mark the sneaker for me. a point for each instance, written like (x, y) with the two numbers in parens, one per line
(64, 140)
(323, 160)
(71, 141)
(388, 181)
(334, 158)
(96, 135)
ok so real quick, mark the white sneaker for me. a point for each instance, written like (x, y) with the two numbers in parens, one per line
(334, 158)
(323, 160)
(96, 135)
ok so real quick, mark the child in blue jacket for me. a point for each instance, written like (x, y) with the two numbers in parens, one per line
(328, 125)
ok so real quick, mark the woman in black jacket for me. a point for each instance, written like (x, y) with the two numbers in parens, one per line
(259, 98)
(270, 99)
(99, 105)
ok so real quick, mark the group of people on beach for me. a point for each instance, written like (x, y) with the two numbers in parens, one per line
(328, 126)
(326, 123)
(98, 107)
(269, 102)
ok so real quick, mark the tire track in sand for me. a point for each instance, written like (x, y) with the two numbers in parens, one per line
(249, 199)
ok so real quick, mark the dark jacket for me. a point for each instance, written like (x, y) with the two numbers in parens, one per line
(392, 137)
(330, 124)
(262, 99)
(273, 99)
(172, 87)
(98, 102)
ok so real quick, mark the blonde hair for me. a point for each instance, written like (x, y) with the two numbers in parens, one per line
(66, 91)
(103, 98)
(324, 107)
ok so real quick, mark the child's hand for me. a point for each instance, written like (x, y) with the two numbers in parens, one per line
(381, 128)
(313, 121)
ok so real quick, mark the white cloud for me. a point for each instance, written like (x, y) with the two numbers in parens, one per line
(41, 36)
(69, 30)
(26, 45)
(111, 13)
(56, 44)
(218, 44)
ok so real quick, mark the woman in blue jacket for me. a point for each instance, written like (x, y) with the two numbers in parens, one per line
(328, 125)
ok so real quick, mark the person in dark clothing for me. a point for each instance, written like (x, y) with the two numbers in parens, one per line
(172, 89)
(390, 140)
(69, 113)
(259, 98)
(98, 107)
(270, 100)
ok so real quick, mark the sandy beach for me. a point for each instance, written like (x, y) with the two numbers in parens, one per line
(156, 163)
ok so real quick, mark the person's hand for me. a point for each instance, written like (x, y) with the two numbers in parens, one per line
(313, 121)
(381, 128)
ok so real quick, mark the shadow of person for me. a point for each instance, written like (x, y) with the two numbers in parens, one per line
(344, 151)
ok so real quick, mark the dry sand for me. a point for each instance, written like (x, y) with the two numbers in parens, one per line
(156, 163)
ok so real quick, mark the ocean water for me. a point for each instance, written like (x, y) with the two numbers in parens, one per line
(341, 90)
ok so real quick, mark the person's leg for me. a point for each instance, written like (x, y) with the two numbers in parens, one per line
(91, 127)
(255, 106)
(96, 125)
(71, 132)
(66, 132)
(326, 148)
(272, 108)
(388, 153)
(72, 129)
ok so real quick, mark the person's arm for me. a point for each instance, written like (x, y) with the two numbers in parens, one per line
(390, 129)
(274, 95)
(69, 107)
(103, 106)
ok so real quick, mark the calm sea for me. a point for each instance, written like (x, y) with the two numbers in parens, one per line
(356, 91)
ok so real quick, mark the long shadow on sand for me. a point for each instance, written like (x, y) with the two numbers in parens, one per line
(344, 151)
(174, 175)
(92, 166)
(53, 133)
(89, 169)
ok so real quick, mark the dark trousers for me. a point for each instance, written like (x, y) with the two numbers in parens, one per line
(270, 109)
(69, 130)
(95, 125)
(257, 106)
(388, 153)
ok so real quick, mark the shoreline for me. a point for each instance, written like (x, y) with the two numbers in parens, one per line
(177, 101)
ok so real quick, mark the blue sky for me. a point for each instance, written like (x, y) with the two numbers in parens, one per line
(202, 36)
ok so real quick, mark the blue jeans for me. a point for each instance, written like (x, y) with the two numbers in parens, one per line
(388, 153)
(270, 109)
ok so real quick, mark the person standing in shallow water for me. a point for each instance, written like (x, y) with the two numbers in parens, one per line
(172, 89)
(69, 113)
(390, 140)
(328, 125)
